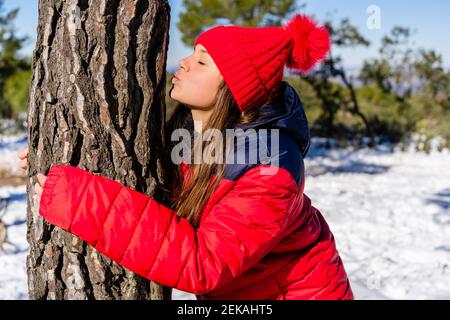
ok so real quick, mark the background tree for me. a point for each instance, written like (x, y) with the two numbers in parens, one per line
(433, 78)
(96, 102)
(406, 88)
(12, 66)
(333, 85)
(203, 14)
(393, 69)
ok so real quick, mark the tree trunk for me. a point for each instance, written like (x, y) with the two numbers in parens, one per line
(96, 102)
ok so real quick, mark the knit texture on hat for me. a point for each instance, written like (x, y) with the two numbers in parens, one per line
(252, 60)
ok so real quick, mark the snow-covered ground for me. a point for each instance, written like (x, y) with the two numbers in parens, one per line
(389, 212)
(13, 280)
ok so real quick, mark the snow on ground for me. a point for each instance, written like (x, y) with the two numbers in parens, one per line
(13, 281)
(389, 212)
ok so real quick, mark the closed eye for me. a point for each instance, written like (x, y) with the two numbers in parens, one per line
(201, 63)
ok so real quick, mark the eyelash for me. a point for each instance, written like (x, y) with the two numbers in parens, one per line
(202, 63)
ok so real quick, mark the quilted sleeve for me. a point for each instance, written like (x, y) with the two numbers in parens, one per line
(153, 241)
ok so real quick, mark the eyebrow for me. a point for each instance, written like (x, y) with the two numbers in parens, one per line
(203, 50)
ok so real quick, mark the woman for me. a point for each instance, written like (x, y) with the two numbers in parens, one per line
(240, 230)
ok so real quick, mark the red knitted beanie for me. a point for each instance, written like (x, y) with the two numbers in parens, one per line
(252, 60)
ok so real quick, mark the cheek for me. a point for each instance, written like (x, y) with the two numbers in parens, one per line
(210, 87)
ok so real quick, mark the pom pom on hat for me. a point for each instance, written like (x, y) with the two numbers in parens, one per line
(311, 43)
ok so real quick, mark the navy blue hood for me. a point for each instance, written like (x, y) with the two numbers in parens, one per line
(285, 112)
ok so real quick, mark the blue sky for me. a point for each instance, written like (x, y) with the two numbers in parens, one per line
(429, 18)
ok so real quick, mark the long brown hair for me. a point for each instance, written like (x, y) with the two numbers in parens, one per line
(189, 196)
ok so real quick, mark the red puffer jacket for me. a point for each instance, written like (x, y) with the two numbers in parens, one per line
(258, 237)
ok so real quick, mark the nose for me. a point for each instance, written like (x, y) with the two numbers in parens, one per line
(184, 64)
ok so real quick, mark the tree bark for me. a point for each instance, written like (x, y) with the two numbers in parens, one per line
(96, 102)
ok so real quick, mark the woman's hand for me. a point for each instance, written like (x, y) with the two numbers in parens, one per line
(23, 164)
(38, 187)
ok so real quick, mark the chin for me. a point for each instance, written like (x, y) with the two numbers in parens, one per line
(171, 95)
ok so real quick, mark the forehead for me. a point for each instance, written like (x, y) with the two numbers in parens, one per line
(201, 48)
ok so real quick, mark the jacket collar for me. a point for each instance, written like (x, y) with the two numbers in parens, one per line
(285, 112)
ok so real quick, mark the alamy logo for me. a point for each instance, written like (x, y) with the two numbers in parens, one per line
(241, 147)
(374, 20)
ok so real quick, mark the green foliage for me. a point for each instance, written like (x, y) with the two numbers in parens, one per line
(377, 71)
(203, 14)
(339, 99)
(435, 81)
(406, 91)
(389, 116)
(308, 96)
(17, 90)
(432, 118)
(14, 70)
(345, 34)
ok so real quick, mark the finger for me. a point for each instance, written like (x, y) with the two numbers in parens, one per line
(41, 178)
(23, 153)
(20, 154)
(23, 164)
(36, 199)
(38, 189)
